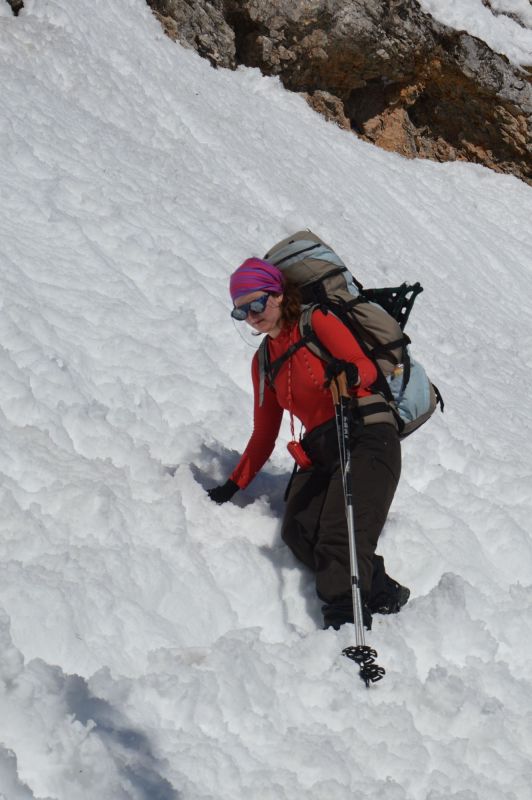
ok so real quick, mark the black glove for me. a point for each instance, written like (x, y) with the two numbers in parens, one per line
(335, 367)
(221, 494)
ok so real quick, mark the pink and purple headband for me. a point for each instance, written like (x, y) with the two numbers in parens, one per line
(255, 275)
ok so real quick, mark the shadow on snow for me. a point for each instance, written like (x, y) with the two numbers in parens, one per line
(129, 747)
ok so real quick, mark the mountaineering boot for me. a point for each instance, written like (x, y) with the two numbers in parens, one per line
(387, 596)
(391, 601)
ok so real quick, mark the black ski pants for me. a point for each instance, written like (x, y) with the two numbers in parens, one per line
(315, 523)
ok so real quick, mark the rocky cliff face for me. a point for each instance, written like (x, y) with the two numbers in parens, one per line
(386, 70)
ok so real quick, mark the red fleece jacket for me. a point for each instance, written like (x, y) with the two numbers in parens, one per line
(299, 383)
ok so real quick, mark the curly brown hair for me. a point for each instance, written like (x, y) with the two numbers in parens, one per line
(291, 304)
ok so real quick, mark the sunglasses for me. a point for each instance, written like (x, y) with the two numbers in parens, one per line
(256, 306)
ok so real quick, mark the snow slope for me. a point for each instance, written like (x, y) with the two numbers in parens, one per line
(153, 644)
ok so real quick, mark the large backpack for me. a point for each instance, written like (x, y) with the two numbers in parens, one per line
(376, 317)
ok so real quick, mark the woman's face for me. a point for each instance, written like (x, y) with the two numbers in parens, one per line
(267, 321)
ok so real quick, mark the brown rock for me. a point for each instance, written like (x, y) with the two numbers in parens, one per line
(329, 106)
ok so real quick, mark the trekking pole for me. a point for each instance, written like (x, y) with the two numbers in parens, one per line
(362, 654)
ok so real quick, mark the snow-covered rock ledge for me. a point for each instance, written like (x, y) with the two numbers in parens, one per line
(392, 72)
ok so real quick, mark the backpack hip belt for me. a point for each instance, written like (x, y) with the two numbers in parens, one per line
(374, 410)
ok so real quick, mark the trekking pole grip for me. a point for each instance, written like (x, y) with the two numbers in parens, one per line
(339, 388)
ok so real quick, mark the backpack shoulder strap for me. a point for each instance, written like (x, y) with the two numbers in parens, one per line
(307, 333)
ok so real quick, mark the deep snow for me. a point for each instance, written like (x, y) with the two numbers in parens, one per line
(153, 644)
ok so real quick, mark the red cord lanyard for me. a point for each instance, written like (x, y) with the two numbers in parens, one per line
(290, 409)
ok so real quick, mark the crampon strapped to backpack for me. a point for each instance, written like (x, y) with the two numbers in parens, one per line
(376, 317)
